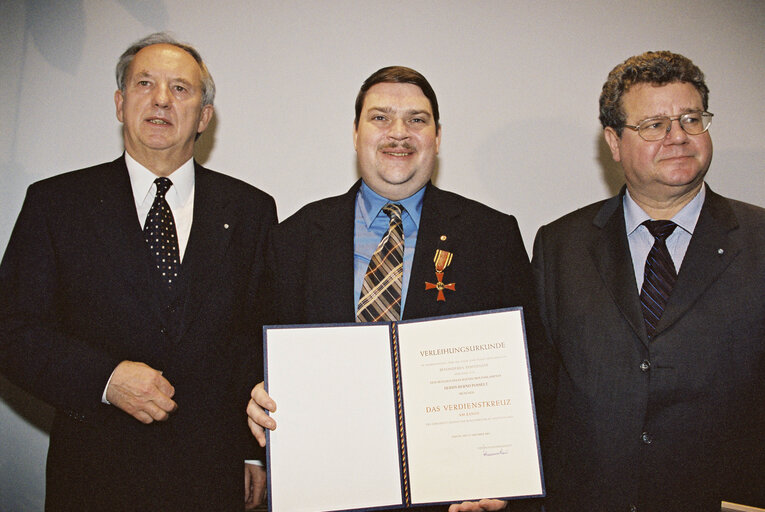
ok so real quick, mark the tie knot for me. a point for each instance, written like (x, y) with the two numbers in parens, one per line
(163, 185)
(393, 210)
(660, 229)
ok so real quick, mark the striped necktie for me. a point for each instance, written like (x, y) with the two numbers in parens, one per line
(659, 276)
(381, 290)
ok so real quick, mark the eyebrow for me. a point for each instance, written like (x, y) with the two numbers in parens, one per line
(389, 110)
(145, 74)
(683, 111)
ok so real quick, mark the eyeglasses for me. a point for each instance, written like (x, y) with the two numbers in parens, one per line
(657, 128)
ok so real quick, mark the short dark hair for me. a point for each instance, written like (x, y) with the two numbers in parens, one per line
(660, 68)
(397, 75)
(208, 85)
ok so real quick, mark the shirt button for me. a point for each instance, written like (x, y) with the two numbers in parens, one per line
(646, 438)
(633, 508)
(163, 331)
(645, 365)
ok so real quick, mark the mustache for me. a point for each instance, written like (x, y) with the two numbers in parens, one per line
(397, 145)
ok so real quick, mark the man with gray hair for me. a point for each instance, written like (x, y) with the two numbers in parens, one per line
(129, 302)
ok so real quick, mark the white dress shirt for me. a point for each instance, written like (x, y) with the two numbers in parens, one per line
(180, 198)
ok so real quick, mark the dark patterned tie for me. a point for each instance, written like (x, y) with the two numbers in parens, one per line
(160, 235)
(381, 291)
(660, 275)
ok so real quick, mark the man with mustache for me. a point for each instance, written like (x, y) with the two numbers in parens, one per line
(318, 258)
(654, 301)
(128, 301)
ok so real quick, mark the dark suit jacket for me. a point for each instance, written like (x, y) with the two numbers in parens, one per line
(676, 424)
(311, 259)
(79, 294)
(310, 262)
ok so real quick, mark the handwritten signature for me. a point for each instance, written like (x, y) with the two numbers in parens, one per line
(502, 451)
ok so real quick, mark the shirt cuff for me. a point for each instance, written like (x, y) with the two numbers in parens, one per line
(103, 395)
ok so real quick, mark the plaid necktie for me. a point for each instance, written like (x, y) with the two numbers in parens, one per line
(381, 291)
(660, 275)
(159, 233)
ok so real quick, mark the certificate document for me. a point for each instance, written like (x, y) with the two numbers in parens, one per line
(408, 413)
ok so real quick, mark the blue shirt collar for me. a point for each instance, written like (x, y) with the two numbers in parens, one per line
(686, 218)
(372, 203)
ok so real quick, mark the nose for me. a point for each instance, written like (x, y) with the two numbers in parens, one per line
(161, 95)
(398, 130)
(676, 134)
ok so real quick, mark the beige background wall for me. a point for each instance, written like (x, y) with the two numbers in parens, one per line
(518, 84)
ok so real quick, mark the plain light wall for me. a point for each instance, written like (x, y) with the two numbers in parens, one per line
(517, 82)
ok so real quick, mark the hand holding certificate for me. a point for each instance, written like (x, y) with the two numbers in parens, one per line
(426, 411)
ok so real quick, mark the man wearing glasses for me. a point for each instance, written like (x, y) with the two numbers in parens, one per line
(654, 301)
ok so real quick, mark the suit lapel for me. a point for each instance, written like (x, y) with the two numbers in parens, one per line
(710, 252)
(116, 224)
(330, 277)
(613, 261)
(435, 221)
(211, 228)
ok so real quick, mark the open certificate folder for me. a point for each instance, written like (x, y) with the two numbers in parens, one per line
(409, 413)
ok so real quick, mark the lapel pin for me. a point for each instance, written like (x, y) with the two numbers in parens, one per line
(225, 226)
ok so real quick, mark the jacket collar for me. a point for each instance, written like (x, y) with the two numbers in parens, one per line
(711, 251)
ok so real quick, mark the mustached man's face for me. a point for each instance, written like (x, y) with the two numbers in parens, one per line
(396, 140)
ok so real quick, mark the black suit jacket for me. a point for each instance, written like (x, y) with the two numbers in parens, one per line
(311, 260)
(310, 263)
(79, 294)
(675, 424)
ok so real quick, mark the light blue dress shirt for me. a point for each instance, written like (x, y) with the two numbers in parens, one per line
(370, 225)
(641, 240)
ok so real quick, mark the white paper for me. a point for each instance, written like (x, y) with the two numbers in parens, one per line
(336, 442)
(469, 417)
(468, 408)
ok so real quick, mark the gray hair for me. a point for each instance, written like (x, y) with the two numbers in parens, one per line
(208, 85)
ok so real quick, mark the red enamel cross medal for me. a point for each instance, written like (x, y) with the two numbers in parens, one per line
(442, 260)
